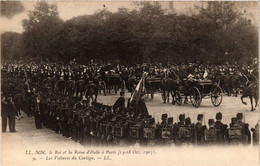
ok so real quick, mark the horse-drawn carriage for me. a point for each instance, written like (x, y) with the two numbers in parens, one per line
(198, 89)
(153, 84)
(112, 81)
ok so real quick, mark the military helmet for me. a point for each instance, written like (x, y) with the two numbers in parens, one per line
(219, 116)
(239, 116)
(182, 117)
(187, 121)
(211, 122)
(234, 120)
(200, 117)
(164, 116)
(170, 120)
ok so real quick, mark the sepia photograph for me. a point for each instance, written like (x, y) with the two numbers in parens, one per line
(129, 83)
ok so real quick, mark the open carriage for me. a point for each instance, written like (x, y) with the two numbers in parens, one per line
(112, 82)
(198, 89)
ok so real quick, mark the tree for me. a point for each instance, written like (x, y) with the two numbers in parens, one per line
(12, 46)
(40, 30)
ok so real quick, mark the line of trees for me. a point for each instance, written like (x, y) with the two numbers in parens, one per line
(216, 34)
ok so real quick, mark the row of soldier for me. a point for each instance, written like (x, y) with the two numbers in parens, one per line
(101, 125)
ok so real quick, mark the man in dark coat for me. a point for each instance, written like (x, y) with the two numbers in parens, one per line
(221, 129)
(200, 129)
(245, 130)
(4, 113)
(120, 103)
(11, 113)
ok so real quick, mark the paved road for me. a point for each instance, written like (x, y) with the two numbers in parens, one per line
(229, 107)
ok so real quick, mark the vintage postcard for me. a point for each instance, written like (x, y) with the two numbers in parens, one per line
(142, 83)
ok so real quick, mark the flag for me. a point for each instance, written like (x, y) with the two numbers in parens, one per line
(137, 93)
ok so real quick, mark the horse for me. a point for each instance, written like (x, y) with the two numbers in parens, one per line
(69, 87)
(171, 86)
(91, 90)
(60, 86)
(49, 83)
(80, 87)
(251, 91)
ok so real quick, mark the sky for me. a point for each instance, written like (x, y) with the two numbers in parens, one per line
(68, 10)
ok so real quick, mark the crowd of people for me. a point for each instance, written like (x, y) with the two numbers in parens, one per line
(24, 87)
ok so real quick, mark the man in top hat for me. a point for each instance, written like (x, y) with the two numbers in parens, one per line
(221, 128)
(245, 130)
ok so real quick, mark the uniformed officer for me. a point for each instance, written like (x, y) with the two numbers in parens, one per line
(211, 133)
(120, 103)
(221, 129)
(255, 134)
(199, 129)
(4, 113)
(245, 130)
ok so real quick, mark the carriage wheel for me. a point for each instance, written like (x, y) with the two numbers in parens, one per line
(216, 96)
(178, 98)
(195, 97)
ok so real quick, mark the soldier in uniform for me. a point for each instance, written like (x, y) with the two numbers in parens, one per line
(199, 130)
(4, 113)
(11, 113)
(255, 134)
(245, 130)
(120, 103)
(221, 129)
(211, 133)
(235, 132)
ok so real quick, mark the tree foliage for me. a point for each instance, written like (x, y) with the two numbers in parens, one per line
(216, 34)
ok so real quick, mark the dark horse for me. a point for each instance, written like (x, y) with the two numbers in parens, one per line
(60, 86)
(69, 87)
(251, 91)
(231, 84)
(171, 86)
(80, 87)
(91, 93)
